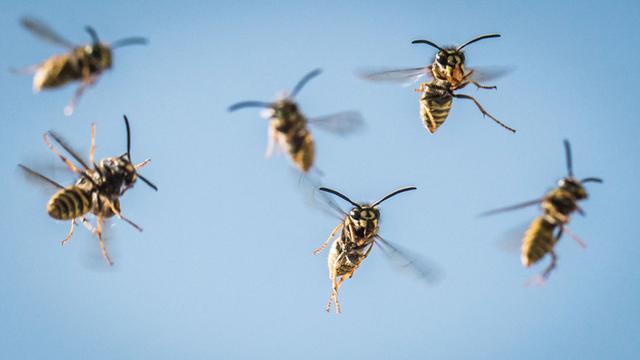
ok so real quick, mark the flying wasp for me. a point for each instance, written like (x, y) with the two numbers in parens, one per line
(358, 234)
(97, 190)
(547, 229)
(288, 125)
(83, 63)
(446, 75)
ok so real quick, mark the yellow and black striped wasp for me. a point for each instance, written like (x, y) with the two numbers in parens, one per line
(446, 74)
(547, 229)
(359, 232)
(97, 190)
(84, 63)
(288, 125)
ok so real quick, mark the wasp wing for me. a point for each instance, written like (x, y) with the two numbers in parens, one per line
(44, 32)
(424, 269)
(343, 123)
(36, 176)
(512, 207)
(68, 149)
(488, 73)
(403, 76)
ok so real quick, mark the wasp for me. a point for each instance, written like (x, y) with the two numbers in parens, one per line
(288, 125)
(359, 231)
(84, 63)
(98, 189)
(446, 74)
(557, 206)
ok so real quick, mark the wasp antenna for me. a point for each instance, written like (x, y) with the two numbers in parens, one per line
(401, 190)
(342, 196)
(247, 104)
(92, 32)
(567, 152)
(126, 123)
(147, 182)
(136, 40)
(305, 79)
(592, 179)
(428, 43)
(481, 37)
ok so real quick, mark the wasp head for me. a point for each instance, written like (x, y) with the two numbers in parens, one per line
(365, 218)
(449, 65)
(574, 187)
(100, 55)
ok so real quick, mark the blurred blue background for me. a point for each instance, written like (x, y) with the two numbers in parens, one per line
(224, 268)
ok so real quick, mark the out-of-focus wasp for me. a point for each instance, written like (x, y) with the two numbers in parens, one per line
(97, 190)
(557, 206)
(445, 75)
(83, 63)
(288, 126)
(358, 234)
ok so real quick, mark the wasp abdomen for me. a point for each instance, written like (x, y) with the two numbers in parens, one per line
(69, 203)
(302, 149)
(434, 109)
(55, 72)
(538, 241)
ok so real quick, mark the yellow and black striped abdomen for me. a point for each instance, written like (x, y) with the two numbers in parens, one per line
(301, 148)
(56, 71)
(538, 241)
(69, 203)
(434, 110)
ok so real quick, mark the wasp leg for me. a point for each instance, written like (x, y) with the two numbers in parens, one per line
(422, 87)
(576, 238)
(479, 86)
(334, 293)
(483, 111)
(271, 140)
(62, 157)
(542, 278)
(88, 225)
(466, 80)
(103, 247)
(92, 149)
(142, 164)
(120, 216)
(88, 81)
(336, 287)
(552, 265)
(73, 227)
(326, 242)
(69, 109)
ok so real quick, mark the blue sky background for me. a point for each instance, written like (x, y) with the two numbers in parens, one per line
(224, 267)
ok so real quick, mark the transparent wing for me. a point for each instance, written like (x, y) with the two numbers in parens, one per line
(44, 32)
(343, 123)
(510, 241)
(424, 269)
(57, 138)
(402, 76)
(34, 176)
(512, 207)
(488, 73)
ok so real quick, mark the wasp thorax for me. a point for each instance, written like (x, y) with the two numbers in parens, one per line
(119, 174)
(574, 187)
(100, 55)
(365, 218)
